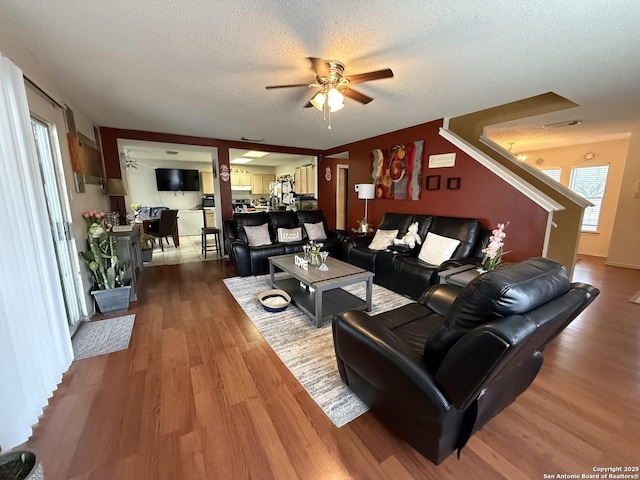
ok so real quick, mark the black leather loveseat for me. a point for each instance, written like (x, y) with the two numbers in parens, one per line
(437, 370)
(253, 260)
(398, 268)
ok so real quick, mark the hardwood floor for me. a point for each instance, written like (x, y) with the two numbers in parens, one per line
(200, 395)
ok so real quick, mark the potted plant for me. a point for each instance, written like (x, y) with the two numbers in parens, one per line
(20, 465)
(146, 245)
(363, 227)
(110, 292)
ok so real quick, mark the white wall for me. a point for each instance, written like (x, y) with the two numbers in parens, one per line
(613, 153)
(141, 186)
(624, 251)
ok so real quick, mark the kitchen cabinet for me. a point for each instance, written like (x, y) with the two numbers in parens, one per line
(206, 183)
(260, 183)
(311, 179)
(305, 180)
(240, 179)
(267, 178)
(209, 217)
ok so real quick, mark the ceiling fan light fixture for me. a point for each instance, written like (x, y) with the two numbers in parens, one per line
(335, 99)
(318, 101)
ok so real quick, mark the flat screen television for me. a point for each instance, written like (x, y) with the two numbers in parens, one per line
(177, 180)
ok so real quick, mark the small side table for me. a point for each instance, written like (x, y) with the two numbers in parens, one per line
(459, 276)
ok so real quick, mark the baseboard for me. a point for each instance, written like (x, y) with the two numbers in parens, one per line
(589, 254)
(624, 265)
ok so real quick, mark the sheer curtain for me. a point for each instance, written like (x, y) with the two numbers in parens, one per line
(35, 346)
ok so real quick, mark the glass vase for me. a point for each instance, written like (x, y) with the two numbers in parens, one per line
(315, 259)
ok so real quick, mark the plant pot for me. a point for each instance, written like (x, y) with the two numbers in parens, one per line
(21, 465)
(147, 256)
(112, 300)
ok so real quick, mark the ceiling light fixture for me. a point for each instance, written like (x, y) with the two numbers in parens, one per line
(241, 160)
(520, 157)
(567, 123)
(255, 154)
(330, 99)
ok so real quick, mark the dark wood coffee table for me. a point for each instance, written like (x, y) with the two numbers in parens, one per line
(317, 293)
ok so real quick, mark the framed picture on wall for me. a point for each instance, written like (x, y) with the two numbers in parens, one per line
(453, 183)
(432, 182)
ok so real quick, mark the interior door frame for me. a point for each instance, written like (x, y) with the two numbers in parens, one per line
(342, 197)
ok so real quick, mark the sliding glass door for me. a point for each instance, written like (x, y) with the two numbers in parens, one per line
(59, 217)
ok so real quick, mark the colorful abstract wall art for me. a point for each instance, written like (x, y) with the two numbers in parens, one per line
(396, 171)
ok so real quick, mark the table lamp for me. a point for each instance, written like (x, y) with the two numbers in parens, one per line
(366, 191)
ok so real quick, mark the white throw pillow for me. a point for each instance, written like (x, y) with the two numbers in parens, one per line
(287, 235)
(437, 249)
(382, 239)
(258, 235)
(315, 231)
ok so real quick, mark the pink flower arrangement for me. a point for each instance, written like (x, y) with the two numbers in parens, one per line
(494, 250)
(93, 216)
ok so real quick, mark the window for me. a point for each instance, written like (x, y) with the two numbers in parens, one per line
(589, 182)
(552, 172)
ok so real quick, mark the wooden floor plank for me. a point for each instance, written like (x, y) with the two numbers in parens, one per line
(200, 394)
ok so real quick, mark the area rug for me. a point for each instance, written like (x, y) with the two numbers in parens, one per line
(307, 351)
(635, 298)
(102, 336)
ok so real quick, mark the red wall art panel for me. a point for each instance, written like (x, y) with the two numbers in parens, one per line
(396, 171)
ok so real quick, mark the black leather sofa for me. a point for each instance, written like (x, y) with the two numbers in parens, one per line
(399, 268)
(437, 370)
(253, 260)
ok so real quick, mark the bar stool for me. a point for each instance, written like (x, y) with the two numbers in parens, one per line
(209, 230)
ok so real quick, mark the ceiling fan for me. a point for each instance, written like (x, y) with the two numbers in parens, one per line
(334, 86)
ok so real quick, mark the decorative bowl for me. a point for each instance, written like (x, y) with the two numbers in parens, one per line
(274, 300)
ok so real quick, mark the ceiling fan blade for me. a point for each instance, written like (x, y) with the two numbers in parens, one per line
(357, 96)
(367, 77)
(320, 66)
(270, 87)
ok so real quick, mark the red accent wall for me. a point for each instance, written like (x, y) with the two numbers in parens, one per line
(327, 189)
(482, 194)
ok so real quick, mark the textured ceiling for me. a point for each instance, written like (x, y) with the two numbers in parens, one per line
(199, 67)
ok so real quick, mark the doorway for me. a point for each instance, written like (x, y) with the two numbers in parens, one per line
(342, 206)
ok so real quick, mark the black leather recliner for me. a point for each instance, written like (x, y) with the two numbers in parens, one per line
(405, 273)
(356, 250)
(398, 268)
(254, 260)
(437, 370)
